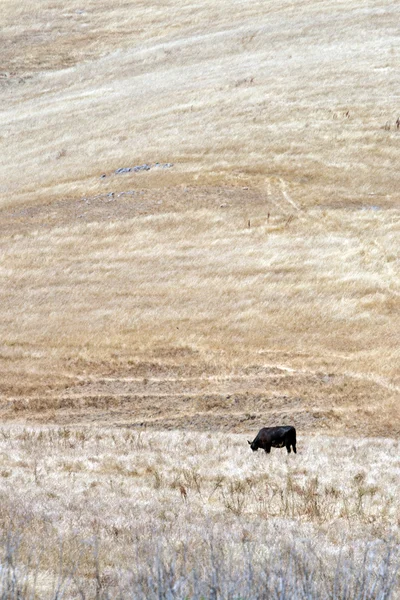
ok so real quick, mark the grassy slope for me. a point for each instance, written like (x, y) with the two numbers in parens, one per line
(244, 284)
(182, 314)
(228, 91)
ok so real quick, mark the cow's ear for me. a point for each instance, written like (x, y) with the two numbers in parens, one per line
(249, 442)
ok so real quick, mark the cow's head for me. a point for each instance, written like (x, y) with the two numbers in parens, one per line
(253, 446)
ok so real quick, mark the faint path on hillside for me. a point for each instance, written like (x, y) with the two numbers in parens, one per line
(278, 187)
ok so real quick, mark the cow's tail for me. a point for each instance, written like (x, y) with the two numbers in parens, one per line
(294, 440)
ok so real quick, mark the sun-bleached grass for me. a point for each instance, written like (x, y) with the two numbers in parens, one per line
(301, 94)
(117, 506)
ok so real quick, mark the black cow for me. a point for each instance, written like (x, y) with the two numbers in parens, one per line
(277, 437)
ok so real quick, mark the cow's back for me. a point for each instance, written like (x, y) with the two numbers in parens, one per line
(279, 436)
(280, 431)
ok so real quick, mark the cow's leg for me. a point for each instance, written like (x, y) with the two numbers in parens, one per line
(288, 448)
(294, 448)
(267, 449)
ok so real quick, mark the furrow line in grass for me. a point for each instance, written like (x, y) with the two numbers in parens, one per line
(381, 381)
(215, 378)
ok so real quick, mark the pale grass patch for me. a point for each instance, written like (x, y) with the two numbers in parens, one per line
(295, 100)
(184, 491)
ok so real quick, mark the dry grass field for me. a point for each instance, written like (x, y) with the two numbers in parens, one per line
(120, 514)
(191, 319)
(153, 319)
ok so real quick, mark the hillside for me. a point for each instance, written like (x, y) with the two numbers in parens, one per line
(248, 271)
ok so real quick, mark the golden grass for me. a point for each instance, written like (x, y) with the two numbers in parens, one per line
(249, 254)
(199, 294)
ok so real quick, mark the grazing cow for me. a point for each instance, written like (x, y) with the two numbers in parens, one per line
(275, 437)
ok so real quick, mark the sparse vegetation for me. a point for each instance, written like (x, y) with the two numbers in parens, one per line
(111, 521)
